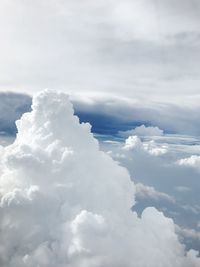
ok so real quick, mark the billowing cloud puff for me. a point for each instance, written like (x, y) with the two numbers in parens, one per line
(143, 131)
(64, 203)
(132, 142)
(193, 161)
(135, 143)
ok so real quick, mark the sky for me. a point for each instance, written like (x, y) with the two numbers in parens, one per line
(132, 49)
(99, 133)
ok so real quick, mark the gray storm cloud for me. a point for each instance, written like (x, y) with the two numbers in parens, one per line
(64, 203)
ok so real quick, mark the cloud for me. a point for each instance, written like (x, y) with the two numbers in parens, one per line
(188, 236)
(66, 203)
(132, 142)
(163, 174)
(145, 192)
(192, 161)
(154, 149)
(121, 114)
(135, 143)
(143, 131)
(188, 233)
(182, 189)
(110, 115)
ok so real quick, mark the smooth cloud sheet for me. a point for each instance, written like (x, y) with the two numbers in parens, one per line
(64, 203)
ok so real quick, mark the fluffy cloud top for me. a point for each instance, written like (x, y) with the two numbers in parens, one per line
(134, 143)
(65, 203)
(193, 161)
(143, 131)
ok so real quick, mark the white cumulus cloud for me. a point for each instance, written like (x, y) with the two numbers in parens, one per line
(143, 131)
(192, 161)
(134, 143)
(64, 203)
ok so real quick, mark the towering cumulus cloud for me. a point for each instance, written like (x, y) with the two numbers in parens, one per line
(64, 203)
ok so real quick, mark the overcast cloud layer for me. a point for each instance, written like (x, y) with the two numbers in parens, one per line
(130, 48)
(66, 203)
(111, 115)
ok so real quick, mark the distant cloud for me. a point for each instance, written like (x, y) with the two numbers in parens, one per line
(188, 235)
(115, 114)
(143, 131)
(182, 189)
(134, 143)
(110, 115)
(161, 173)
(192, 161)
(149, 192)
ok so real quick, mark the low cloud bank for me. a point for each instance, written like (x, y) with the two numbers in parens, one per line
(112, 116)
(117, 114)
(63, 202)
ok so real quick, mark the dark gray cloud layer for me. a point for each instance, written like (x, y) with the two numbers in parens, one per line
(109, 115)
(115, 114)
